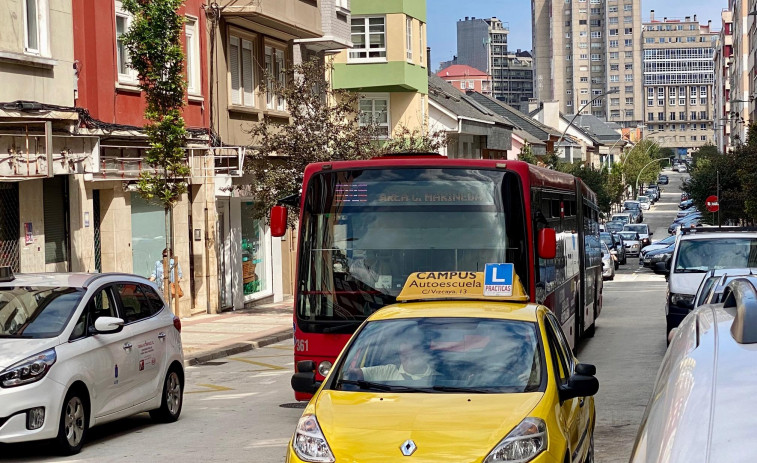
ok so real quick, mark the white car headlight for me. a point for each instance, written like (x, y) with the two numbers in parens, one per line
(309, 442)
(523, 444)
(29, 370)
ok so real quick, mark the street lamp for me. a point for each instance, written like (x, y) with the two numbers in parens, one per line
(579, 112)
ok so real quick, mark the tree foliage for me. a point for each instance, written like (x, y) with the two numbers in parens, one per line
(154, 45)
(640, 164)
(324, 125)
(527, 154)
(723, 171)
(596, 179)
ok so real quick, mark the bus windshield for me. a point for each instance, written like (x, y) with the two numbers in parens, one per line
(365, 231)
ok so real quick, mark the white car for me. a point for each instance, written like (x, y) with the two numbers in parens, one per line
(78, 350)
(644, 202)
(703, 402)
(608, 263)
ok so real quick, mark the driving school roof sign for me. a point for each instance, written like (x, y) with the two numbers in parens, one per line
(503, 284)
(498, 279)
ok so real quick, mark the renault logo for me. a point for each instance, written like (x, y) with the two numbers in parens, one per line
(408, 447)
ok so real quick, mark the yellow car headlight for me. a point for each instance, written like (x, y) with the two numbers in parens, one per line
(309, 443)
(523, 444)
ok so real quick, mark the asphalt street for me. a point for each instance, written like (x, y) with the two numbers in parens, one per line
(241, 408)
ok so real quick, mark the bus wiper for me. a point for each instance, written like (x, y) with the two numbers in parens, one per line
(332, 328)
(461, 389)
(362, 384)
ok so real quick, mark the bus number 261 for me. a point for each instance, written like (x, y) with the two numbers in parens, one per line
(301, 345)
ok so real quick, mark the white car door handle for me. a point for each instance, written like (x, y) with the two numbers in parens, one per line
(127, 345)
(162, 335)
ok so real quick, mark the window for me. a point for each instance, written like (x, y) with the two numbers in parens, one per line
(368, 39)
(193, 56)
(702, 115)
(342, 4)
(693, 138)
(584, 91)
(135, 305)
(614, 78)
(629, 100)
(614, 67)
(374, 109)
(241, 71)
(596, 34)
(627, 19)
(595, 57)
(613, 55)
(628, 7)
(583, 56)
(583, 102)
(628, 66)
(693, 115)
(650, 116)
(613, 32)
(672, 116)
(628, 31)
(660, 116)
(409, 38)
(613, 44)
(682, 115)
(125, 72)
(629, 113)
(583, 79)
(569, 103)
(31, 29)
(703, 137)
(422, 52)
(275, 66)
(629, 77)
(628, 42)
(612, 9)
(628, 54)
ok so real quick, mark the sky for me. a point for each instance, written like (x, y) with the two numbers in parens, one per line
(516, 14)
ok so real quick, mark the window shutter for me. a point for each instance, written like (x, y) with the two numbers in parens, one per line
(247, 70)
(236, 96)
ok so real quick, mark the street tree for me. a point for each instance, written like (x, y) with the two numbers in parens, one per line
(527, 154)
(325, 124)
(636, 165)
(719, 175)
(153, 42)
(595, 178)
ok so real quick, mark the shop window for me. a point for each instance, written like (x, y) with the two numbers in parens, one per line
(254, 252)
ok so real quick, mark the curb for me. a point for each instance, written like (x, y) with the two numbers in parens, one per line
(254, 343)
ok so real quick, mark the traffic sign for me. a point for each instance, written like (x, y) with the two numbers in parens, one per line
(712, 203)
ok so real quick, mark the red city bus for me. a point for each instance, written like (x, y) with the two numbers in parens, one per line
(365, 226)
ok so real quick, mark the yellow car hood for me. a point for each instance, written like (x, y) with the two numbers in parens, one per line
(460, 428)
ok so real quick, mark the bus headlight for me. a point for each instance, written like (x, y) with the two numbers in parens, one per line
(309, 442)
(324, 368)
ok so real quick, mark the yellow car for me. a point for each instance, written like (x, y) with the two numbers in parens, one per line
(469, 378)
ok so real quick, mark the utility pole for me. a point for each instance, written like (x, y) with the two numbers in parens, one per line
(717, 193)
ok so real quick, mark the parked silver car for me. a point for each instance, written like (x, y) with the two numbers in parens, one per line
(703, 403)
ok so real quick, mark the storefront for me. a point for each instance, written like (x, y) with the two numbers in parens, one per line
(247, 255)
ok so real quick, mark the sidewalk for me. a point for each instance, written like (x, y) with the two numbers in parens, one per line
(206, 337)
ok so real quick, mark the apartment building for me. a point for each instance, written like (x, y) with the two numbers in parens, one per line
(387, 64)
(482, 44)
(584, 49)
(723, 60)
(679, 77)
(742, 70)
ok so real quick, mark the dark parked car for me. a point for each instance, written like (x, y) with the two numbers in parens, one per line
(650, 258)
(662, 180)
(685, 204)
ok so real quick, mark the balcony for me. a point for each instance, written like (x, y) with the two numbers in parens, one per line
(299, 19)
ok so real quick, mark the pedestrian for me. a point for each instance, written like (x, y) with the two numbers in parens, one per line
(157, 273)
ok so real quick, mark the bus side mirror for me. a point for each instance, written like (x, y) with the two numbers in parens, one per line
(547, 243)
(278, 221)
